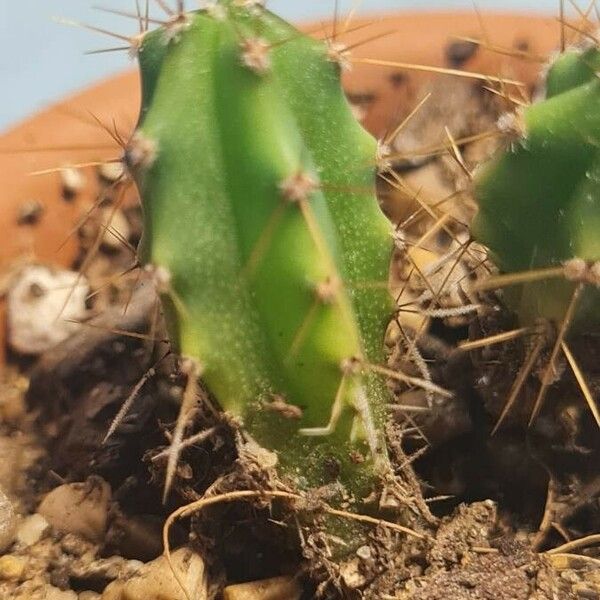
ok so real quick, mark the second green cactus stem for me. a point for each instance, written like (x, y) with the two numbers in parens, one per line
(260, 218)
(539, 201)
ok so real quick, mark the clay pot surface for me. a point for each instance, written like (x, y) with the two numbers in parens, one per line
(62, 135)
(69, 132)
(38, 216)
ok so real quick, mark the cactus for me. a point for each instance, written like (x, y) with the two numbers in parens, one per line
(263, 232)
(539, 201)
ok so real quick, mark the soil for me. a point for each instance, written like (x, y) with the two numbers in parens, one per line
(495, 512)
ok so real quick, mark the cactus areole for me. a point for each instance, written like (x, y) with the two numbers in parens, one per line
(262, 227)
(539, 201)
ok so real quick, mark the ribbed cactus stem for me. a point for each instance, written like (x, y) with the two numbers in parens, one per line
(539, 201)
(261, 222)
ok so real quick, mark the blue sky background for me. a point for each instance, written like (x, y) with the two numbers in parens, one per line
(44, 60)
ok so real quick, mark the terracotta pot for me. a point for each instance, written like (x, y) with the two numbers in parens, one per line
(36, 216)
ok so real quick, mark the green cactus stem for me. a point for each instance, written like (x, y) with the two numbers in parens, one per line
(539, 201)
(261, 223)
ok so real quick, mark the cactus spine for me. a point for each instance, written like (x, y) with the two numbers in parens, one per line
(262, 226)
(539, 202)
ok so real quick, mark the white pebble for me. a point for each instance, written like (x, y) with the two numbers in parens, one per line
(42, 303)
(31, 530)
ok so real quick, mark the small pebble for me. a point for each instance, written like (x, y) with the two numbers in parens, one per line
(155, 580)
(79, 508)
(8, 522)
(352, 575)
(42, 305)
(75, 545)
(277, 588)
(12, 567)
(31, 530)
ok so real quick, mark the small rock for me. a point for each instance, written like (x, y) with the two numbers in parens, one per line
(277, 588)
(42, 303)
(12, 567)
(155, 580)
(8, 522)
(31, 530)
(89, 596)
(79, 508)
(352, 575)
(75, 545)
